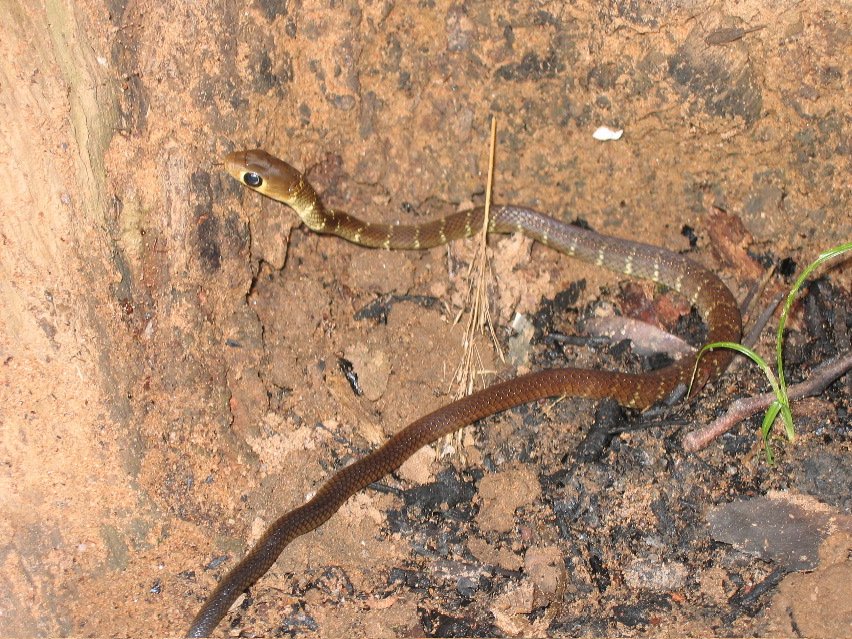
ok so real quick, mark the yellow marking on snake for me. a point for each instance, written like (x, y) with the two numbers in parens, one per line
(696, 294)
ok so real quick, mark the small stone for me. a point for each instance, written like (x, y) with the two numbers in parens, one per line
(652, 573)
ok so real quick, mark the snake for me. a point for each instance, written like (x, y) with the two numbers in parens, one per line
(274, 178)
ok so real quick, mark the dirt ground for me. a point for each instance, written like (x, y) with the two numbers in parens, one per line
(174, 348)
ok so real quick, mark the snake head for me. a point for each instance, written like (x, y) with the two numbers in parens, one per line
(265, 174)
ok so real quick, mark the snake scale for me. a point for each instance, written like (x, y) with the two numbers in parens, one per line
(274, 178)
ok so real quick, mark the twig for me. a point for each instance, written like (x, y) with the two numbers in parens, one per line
(762, 320)
(757, 326)
(756, 291)
(742, 408)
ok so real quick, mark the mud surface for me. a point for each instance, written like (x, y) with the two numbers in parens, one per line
(179, 354)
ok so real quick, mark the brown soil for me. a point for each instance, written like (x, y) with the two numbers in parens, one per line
(171, 343)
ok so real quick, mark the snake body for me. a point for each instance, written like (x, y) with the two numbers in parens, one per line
(276, 179)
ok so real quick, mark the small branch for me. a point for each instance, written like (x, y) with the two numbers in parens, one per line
(762, 320)
(750, 338)
(756, 292)
(742, 408)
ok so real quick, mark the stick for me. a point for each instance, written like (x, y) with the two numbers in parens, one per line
(742, 408)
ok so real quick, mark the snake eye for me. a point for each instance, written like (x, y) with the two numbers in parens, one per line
(253, 180)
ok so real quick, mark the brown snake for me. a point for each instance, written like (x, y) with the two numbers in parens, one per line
(272, 177)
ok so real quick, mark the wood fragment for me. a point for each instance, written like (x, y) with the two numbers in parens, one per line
(730, 34)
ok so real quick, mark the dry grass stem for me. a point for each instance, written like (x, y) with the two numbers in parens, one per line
(472, 368)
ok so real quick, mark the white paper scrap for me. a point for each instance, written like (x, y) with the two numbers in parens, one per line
(605, 133)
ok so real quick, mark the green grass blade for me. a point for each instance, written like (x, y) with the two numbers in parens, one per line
(757, 359)
(779, 342)
(779, 385)
(765, 428)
